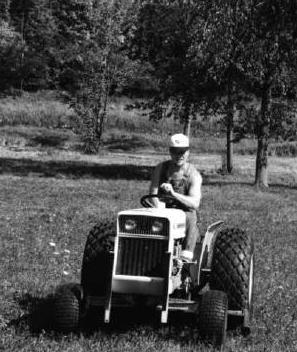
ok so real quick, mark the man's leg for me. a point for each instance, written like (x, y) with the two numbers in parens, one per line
(192, 235)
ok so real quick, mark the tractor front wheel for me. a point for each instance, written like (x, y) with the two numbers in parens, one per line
(66, 308)
(212, 319)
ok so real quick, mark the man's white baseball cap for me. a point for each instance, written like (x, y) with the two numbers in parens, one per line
(179, 141)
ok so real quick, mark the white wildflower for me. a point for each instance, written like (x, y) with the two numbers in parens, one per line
(52, 244)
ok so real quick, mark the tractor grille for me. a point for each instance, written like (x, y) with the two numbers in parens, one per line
(141, 256)
(144, 225)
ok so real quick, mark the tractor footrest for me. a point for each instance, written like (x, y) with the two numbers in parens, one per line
(238, 313)
(115, 301)
(176, 304)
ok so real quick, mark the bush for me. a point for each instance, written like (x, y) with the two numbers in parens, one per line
(283, 149)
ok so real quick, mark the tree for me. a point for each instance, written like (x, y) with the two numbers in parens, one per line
(251, 48)
(283, 122)
(93, 62)
(34, 21)
(270, 56)
(217, 44)
(4, 10)
(162, 39)
(11, 48)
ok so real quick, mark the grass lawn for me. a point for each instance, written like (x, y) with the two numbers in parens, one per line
(44, 221)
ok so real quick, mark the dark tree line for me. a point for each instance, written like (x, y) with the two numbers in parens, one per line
(236, 58)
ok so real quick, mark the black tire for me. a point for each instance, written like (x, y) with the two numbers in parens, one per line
(66, 308)
(41, 314)
(212, 320)
(233, 268)
(96, 268)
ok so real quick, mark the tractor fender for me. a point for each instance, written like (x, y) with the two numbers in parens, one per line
(205, 259)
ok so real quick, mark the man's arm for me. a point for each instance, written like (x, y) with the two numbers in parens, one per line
(154, 186)
(192, 200)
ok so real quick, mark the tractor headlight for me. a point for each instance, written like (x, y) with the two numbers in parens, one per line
(130, 225)
(157, 226)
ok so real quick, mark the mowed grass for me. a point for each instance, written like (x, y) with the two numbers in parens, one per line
(44, 223)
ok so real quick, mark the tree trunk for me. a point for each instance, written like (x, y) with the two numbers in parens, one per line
(229, 126)
(187, 120)
(261, 177)
(187, 127)
(229, 151)
(102, 111)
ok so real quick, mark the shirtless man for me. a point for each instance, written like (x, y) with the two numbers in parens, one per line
(179, 179)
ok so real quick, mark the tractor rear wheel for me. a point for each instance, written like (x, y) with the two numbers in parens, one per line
(212, 320)
(233, 268)
(96, 268)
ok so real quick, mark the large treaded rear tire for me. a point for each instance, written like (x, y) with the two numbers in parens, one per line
(232, 268)
(212, 320)
(96, 260)
(66, 309)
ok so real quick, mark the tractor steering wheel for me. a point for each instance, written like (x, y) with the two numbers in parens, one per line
(145, 200)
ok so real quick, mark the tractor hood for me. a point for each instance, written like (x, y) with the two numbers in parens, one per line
(175, 217)
(158, 212)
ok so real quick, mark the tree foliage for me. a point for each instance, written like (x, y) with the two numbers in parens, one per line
(11, 48)
(217, 44)
(96, 63)
(162, 38)
(224, 54)
(34, 21)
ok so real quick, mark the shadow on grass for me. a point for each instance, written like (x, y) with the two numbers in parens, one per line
(74, 169)
(215, 180)
(38, 316)
(127, 323)
(80, 169)
(50, 140)
(127, 143)
(181, 327)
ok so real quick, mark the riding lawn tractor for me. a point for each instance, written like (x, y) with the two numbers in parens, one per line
(138, 262)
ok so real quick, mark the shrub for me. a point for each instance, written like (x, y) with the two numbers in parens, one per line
(284, 149)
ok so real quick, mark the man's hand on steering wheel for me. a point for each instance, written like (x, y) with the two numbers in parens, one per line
(146, 200)
(167, 187)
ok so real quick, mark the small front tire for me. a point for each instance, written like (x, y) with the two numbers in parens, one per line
(66, 309)
(212, 321)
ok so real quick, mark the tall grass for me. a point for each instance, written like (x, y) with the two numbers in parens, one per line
(41, 109)
(125, 129)
(284, 149)
(136, 127)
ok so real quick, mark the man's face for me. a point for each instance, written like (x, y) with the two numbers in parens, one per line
(179, 156)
